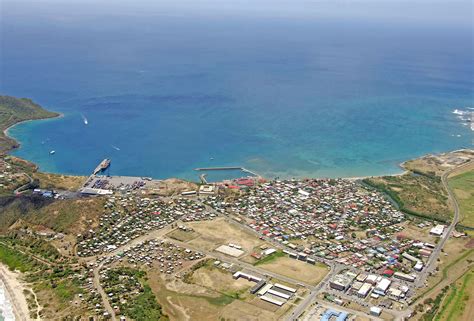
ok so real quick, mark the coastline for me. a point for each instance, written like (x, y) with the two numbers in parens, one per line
(401, 165)
(14, 288)
(6, 130)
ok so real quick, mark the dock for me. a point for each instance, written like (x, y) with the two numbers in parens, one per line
(218, 168)
(227, 168)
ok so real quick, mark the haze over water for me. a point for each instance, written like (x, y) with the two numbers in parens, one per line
(289, 89)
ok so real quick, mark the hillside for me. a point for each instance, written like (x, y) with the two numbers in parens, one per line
(14, 110)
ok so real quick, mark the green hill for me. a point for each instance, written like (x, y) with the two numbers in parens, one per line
(14, 110)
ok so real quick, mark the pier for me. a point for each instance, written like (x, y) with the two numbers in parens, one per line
(219, 168)
(228, 168)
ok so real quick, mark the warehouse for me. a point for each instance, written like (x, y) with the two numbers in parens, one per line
(265, 289)
(279, 294)
(271, 300)
(382, 286)
(405, 277)
(257, 286)
(341, 282)
(283, 287)
(437, 230)
(364, 290)
(246, 276)
(231, 251)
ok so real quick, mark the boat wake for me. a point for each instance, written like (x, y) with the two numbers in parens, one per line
(84, 119)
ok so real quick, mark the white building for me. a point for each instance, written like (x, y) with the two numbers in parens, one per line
(437, 230)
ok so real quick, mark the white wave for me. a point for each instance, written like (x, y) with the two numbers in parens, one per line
(115, 147)
(6, 308)
(458, 112)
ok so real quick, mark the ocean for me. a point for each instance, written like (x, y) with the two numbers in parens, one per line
(6, 307)
(284, 89)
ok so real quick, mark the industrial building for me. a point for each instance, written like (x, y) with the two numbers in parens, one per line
(437, 230)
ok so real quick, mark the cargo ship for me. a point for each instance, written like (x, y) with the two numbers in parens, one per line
(102, 166)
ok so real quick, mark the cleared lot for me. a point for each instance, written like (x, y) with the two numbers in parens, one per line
(296, 269)
(219, 231)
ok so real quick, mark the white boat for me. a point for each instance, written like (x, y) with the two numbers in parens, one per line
(85, 120)
(52, 152)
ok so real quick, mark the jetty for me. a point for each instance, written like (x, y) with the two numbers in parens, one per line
(218, 168)
(227, 168)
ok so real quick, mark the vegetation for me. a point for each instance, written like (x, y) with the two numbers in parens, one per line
(420, 195)
(435, 304)
(66, 216)
(35, 246)
(270, 258)
(453, 307)
(58, 181)
(125, 283)
(14, 110)
(463, 186)
(16, 260)
(445, 272)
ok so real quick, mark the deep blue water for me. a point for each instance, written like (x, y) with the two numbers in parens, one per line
(300, 89)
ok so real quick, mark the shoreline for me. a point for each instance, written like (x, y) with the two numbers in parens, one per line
(6, 130)
(14, 288)
(401, 165)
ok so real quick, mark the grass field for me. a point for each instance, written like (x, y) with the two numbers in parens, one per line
(296, 269)
(458, 304)
(16, 260)
(463, 186)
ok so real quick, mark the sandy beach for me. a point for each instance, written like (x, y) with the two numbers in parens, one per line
(14, 288)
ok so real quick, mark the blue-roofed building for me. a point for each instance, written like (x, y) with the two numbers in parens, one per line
(342, 317)
(339, 315)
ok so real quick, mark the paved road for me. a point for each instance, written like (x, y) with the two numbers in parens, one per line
(311, 296)
(20, 190)
(430, 266)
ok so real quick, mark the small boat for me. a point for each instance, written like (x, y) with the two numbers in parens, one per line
(52, 152)
(212, 158)
(85, 120)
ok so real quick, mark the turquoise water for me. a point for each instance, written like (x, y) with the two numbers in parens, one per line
(289, 90)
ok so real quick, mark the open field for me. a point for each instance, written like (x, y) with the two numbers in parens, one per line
(219, 231)
(459, 301)
(412, 231)
(463, 187)
(296, 269)
(58, 181)
(183, 301)
(183, 236)
(438, 164)
(221, 281)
